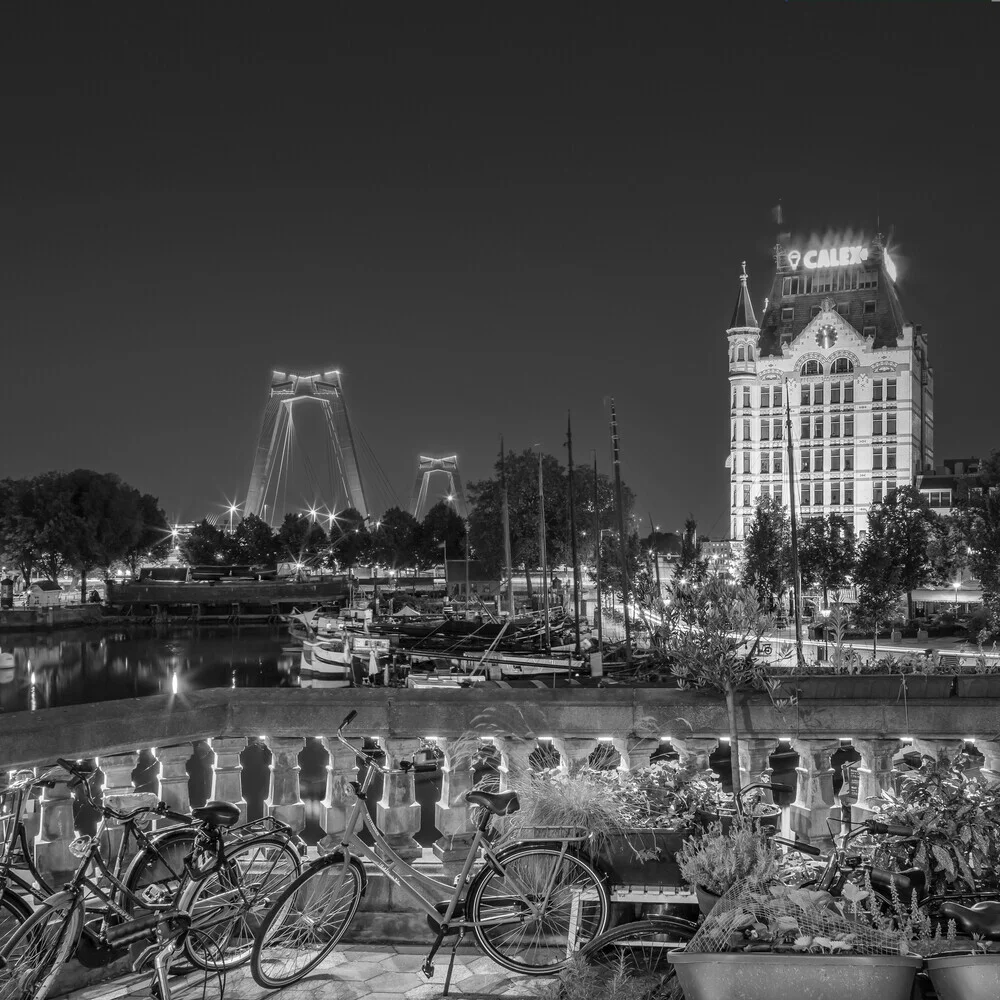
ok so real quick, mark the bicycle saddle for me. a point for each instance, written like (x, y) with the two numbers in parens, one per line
(498, 803)
(909, 883)
(217, 813)
(982, 919)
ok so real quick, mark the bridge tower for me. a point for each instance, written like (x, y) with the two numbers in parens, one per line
(277, 432)
(428, 467)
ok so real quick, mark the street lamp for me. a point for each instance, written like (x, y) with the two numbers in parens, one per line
(825, 613)
(957, 584)
(233, 508)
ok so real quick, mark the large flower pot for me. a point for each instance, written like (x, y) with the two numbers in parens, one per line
(965, 977)
(642, 856)
(706, 899)
(793, 976)
(978, 685)
(879, 687)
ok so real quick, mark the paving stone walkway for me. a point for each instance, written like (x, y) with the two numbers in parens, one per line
(357, 973)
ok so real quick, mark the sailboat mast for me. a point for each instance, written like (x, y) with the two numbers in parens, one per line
(572, 538)
(506, 533)
(621, 530)
(597, 559)
(796, 578)
(541, 545)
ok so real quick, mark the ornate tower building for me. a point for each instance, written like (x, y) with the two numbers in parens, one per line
(834, 343)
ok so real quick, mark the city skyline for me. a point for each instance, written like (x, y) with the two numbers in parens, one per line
(482, 223)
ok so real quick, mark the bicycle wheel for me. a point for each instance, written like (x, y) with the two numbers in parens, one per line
(228, 904)
(155, 874)
(305, 923)
(632, 958)
(533, 913)
(38, 949)
(13, 912)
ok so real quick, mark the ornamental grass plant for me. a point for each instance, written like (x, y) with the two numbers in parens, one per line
(716, 861)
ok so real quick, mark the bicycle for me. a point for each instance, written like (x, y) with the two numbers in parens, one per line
(529, 905)
(219, 878)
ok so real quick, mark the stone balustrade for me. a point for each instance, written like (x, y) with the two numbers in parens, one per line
(618, 726)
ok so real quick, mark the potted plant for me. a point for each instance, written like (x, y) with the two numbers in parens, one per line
(983, 680)
(974, 975)
(768, 942)
(714, 861)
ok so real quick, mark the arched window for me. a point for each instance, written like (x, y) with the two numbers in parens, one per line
(842, 366)
(811, 368)
(741, 354)
(750, 353)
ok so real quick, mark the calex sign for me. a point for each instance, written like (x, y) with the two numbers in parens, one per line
(837, 257)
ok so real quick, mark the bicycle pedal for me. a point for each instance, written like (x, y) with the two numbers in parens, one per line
(428, 969)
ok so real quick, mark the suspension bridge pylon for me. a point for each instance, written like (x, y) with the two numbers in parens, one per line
(288, 389)
(428, 467)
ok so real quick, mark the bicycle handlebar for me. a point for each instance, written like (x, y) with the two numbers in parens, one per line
(888, 829)
(798, 846)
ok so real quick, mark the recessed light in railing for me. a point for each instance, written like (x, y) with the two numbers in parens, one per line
(723, 739)
(970, 739)
(604, 739)
(665, 739)
(544, 739)
(906, 739)
(846, 739)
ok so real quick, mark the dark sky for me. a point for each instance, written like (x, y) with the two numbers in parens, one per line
(482, 214)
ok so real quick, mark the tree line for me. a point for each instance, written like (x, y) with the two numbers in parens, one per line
(907, 546)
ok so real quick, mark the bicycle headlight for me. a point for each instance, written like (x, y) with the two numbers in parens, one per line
(81, 846)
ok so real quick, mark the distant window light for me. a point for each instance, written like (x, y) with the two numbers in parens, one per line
(765, 397)
(741, 354)
(765, 463)
(842, 366)
(890, 388)
(844, 308)
(869, 307)
(787, 314)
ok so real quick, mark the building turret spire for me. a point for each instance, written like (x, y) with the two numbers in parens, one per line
(743, 314)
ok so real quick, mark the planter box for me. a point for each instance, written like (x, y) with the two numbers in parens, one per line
(965, 977)
(766, 976)
(978, 685)
(770, 821)
(877, 687)
(642, 856)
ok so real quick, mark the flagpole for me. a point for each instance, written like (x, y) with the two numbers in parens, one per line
(506, 534)
(572, 537)
(597, 534)
(622, 541)
(541, 543)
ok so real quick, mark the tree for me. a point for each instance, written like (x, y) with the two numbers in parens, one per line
(395, 539)
(350, 542)
(716, 630)
(440, 527)
(301, 540)
(692, 565)
(977, 516)
(205, 545)
(18, 535)
(153, 539)
(253, 542)
(767, 553)
(827, 553)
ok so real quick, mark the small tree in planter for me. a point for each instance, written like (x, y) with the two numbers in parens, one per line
(715, 634)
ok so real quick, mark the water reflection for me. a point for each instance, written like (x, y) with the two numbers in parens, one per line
(77, 667)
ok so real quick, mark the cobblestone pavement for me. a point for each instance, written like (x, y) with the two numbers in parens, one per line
(358, 972)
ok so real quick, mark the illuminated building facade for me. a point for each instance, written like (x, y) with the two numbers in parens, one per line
(834, 343)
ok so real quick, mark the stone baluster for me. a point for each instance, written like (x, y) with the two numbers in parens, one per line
(453, 816)
(173, 785)
(874, 774)
(515, 763)
(990, 749)
(694, 751)
(339, 800)
(939, 750)
(574, 752)
(120, 794)
(56, 832)
(227, 772)
(635, 752)
(284, 800)
(399, 813)
(814, 798)
(755, 763)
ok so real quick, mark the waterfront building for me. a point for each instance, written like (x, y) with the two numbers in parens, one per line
(834, 345)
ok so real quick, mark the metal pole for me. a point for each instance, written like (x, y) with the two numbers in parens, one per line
(623, 545)
(796, 579)
(597, 535)
(656, 560)
(541, 543)
(466, 569)
(572, 538)
(506, 534)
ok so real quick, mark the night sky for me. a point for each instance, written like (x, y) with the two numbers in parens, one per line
(484, 215)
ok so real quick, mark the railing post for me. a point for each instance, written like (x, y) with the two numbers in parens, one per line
(173, 786)
(814, 799)
(635, 752)
(694, 751)
(120, 793)
(990, 749)
(874, 774)
(574, 752)
(399, 813)
(515, 763)
(341, 770)
(939, 750)
(452, 814)
(56, 832)
(227, 772)
(755, 762)
(284, 799)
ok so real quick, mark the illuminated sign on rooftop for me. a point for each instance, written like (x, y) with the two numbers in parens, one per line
(834, 257)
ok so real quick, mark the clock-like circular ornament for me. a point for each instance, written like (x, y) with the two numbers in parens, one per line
(826, 337)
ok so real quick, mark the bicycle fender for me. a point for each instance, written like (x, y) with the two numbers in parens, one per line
(337, 857)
